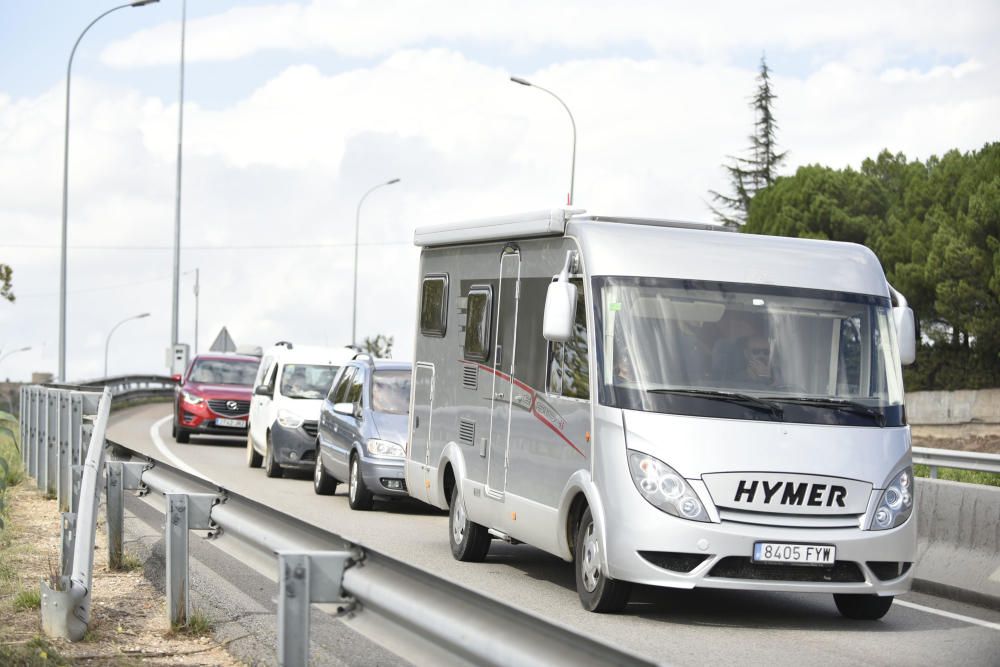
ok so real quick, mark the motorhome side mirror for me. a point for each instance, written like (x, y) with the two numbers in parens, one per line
(906, 334)
(262, 390)
(344, 409)
(560, 312)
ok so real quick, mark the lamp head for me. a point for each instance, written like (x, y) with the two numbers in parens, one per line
(523, 82)
(140, 3)
(395, 180)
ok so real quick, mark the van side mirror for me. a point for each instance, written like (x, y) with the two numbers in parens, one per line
(262, 390)
(906, 334)
(176, 377)
(560, 307)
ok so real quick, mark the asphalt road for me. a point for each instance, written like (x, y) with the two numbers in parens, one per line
(676, 627)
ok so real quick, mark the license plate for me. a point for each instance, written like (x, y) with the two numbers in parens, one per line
(799, 554)
(235, 423)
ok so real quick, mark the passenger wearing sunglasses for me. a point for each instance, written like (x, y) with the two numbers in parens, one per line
(757, 353)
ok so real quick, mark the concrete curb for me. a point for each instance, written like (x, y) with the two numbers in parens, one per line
(958, 543)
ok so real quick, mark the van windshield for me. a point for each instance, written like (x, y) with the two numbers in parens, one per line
(747, 351)
(306, 381)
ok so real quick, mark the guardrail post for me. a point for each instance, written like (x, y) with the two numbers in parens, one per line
(305, 577)
(68, 543)
(35, 434)
(185, 511)
(121, 476)
(64, 455)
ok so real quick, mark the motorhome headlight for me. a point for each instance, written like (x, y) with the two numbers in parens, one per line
(664, 488)
(385, 449)
(896, 503)
(191, 399)
(289, 419)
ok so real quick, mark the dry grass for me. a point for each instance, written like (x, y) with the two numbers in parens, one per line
(128, 619)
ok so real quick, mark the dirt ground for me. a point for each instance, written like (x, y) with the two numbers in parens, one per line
(968, 443)
(128, 614)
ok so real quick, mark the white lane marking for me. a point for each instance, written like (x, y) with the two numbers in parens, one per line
(949, 614)
(154, 434)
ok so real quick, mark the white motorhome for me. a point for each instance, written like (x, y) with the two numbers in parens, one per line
(666, 403)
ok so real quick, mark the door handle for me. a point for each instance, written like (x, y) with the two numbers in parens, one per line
(416, 421)
(498, 395)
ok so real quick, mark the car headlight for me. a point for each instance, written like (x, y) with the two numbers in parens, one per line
(663, 487)
(289, 419)
(191, 398)
(385, 448)
(896, 503)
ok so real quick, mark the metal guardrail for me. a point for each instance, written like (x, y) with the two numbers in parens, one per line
(951, 458)
(136, 386)
(404, 604)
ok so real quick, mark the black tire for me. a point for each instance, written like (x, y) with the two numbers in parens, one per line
(598, 592)
(470, 542)
(182, 435)
(358, 495)
(862, 607)
(254, 459)
(271, 467)
(323, 483)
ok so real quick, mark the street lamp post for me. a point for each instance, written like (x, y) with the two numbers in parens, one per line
(65, 191)
(572, 167)
(20, 349)
(107, 343)
(197, 291)
(357, 226)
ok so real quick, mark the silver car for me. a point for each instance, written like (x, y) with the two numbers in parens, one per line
(362, 432)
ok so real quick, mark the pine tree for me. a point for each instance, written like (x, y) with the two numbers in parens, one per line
(750, 175)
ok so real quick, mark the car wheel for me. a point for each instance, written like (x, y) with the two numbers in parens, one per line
(271, 467)
(470, 542)
(182, 435)
(323, 483)
(254, 459)
(597, 591)
(862, 607)
(358, 495)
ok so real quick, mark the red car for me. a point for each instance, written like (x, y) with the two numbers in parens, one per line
(214, 397)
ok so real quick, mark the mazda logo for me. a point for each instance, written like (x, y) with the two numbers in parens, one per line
(232, 405)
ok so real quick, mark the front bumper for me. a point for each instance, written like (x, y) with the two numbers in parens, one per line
(199, 419)
(384, 477)
(293, 447)
(647, 546)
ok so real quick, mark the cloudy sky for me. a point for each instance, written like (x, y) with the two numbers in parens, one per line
(294, 109)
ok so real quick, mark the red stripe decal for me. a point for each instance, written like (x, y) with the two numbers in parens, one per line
(534, 399)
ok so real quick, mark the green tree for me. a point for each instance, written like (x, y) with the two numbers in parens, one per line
(748, 175)
(6, 278)
(935, 227)
(379, 347)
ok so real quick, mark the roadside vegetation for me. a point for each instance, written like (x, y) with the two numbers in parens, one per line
(955, 475)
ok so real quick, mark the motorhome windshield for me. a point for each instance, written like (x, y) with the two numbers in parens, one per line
(747, 352)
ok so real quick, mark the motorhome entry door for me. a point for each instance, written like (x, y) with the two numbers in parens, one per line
(504, 350)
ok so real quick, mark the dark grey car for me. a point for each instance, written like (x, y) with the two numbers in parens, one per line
(362, 432)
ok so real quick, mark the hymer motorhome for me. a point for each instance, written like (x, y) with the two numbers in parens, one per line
(667, 404)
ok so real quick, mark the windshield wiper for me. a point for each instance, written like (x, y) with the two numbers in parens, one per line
(836, 404)
(745, 400)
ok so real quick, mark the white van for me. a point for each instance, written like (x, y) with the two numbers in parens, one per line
(667, 404)
(291, 383)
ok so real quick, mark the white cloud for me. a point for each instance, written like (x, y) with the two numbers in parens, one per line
(286, 164)
(703, 30)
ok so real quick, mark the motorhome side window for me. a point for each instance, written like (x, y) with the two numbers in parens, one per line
(477, 323)
(569, 363)
(434, 305)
